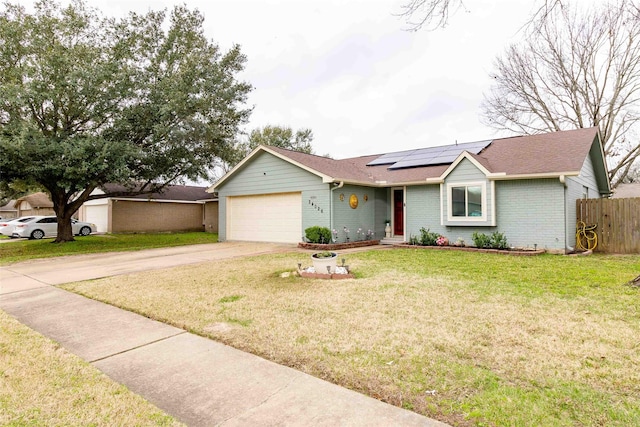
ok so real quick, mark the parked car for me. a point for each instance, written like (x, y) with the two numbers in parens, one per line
(6, 227)
(47, 226)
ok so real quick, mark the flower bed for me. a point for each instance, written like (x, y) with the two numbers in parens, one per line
(337, 246)
(517, 252)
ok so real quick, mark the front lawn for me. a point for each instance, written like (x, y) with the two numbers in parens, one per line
(22, 250)
(44, 385)
(467, 338)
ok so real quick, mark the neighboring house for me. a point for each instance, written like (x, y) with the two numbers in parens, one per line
(34, 204)
(9, 210)
(176, 208)
(525, 187)
(626, 191)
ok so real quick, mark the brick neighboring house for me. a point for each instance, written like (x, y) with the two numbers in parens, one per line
(176, 208)
(34, 204)
(525, 187)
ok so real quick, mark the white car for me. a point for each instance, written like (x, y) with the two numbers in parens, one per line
(47, 226)
(7, 226)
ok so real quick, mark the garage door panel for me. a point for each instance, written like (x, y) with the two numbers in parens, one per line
(265, 218)
(99, 215)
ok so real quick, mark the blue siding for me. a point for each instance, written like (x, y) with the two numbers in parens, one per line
(268, 174)
(529, 212)
(423, 210)
(363, 217)
(532, 212)
(382, 210)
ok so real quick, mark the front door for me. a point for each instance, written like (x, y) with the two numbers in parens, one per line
(398, 213)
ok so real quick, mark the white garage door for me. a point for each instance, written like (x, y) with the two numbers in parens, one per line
(98, 214)
(265, 218)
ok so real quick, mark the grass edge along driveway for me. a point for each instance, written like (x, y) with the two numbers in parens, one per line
(24, 249)
(467, 338)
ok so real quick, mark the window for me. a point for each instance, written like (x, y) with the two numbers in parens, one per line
(467, 202)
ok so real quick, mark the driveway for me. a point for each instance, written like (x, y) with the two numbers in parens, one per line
(56, 271)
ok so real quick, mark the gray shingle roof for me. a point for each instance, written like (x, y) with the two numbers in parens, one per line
(550, 153)
(171, 192)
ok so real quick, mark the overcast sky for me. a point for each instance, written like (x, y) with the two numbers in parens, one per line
(348, 69)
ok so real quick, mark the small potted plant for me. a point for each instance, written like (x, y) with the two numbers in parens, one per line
(322, 260)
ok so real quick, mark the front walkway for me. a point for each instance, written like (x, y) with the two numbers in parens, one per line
(197, 380)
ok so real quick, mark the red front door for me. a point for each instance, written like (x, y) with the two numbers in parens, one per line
(398, 213)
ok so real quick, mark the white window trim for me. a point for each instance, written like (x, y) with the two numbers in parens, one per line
(483, 186)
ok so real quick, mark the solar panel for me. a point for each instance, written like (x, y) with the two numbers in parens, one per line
(445, 154)
(390, 158)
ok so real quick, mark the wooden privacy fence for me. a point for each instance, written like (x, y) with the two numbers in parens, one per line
(618, 223)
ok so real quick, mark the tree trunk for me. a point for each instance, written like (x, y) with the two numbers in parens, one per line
(65, 232)
(64, 209)
(63, 212)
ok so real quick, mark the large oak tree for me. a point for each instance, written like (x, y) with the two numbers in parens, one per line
(575, 70)
(85, 100)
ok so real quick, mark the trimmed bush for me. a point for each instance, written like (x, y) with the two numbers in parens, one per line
(427, 238)
(499, 241)
(481, 240)
(317, 234)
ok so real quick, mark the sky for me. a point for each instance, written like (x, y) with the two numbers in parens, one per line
(351, 71)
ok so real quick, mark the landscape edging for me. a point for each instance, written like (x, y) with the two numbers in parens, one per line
(337, 246)
(514, 252)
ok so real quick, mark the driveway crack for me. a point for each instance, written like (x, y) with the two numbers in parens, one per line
(261, 403)
(138, 346)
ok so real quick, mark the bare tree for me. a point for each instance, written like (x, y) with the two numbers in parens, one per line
(575, 70)
(633, 176)
(433, 14)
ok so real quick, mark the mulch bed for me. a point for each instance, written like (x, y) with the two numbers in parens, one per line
(516, 252)
(338, 246)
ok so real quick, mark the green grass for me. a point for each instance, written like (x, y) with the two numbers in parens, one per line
(467, 338)
(24, 250)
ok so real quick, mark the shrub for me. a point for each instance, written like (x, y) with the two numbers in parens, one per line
(481, 240)
(427, 238)
(499, 241)
(317, 234)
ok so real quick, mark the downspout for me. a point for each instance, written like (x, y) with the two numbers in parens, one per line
(204, 215)
(331, 205)
(563, 181)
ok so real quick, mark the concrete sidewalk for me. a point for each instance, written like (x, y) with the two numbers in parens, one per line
(197, 380)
